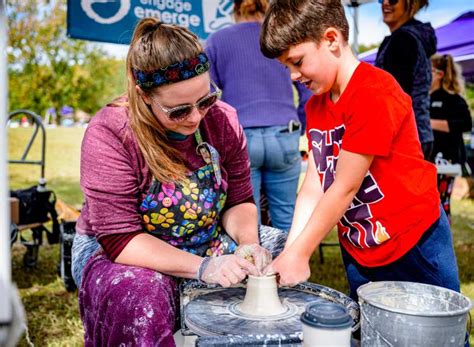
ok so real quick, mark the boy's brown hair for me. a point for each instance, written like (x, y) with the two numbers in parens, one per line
(290, 22)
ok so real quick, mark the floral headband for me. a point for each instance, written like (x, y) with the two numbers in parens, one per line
(180, 71)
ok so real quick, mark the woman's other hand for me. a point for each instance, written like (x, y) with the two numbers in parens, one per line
(227, 270)
(255, 254)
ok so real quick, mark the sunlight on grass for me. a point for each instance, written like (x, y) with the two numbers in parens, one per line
(62, 161)
(52, 313)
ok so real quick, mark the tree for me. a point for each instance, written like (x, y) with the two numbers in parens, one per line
(48, 69)
(364, 48)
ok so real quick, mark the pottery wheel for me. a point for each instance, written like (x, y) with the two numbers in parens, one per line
(217, 313)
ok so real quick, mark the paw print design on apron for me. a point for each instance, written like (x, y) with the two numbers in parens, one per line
(187, 215)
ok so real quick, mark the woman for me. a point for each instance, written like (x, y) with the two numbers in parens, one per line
(166, 180)
(262, 92)
(449, 112)
(450, 117)
(406, 55)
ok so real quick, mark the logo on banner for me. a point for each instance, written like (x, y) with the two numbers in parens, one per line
(217, 14)
(203, 17)
(124, 8)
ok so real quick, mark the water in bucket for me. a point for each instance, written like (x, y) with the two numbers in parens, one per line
(412, 314)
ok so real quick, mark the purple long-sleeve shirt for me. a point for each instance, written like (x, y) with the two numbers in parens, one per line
(259, 88)
(115, 177)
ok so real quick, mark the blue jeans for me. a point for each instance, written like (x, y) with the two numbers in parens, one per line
(275, 165)
(83, 247)
(431, 261)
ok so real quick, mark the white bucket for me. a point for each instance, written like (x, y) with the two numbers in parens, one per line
(326, 324)
(412, 314)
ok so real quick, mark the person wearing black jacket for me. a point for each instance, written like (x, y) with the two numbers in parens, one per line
(450, 117)
(406, 55)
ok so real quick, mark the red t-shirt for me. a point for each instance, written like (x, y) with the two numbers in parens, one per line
(398, 199)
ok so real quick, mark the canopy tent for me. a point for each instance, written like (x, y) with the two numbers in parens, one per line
(455, 38)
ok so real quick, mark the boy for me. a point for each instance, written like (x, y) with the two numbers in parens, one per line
(368, 175)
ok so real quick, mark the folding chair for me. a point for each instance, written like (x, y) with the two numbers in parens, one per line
(37, 227)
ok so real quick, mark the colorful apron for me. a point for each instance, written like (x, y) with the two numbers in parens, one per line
(187, 215)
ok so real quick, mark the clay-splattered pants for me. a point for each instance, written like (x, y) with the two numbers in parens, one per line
(126, 305)
(131, 306)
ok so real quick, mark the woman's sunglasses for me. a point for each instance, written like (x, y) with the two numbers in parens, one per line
(181, 112)
(391, 2)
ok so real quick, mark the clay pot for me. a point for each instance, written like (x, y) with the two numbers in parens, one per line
(261, 297)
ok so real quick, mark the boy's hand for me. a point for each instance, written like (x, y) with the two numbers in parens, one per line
(292, 268)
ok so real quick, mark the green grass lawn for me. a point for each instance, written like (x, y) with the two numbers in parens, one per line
(63, 146)
(52, 312)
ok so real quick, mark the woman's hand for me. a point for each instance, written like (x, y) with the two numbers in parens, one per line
(255, 254)
(227, 270)
(292, 268)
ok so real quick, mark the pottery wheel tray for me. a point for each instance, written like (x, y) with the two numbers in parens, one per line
(209, 312)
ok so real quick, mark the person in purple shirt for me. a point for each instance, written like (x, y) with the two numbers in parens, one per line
(166, 180)
(262, 92)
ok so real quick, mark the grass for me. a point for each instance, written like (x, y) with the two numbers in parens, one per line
(52, 312)
(62, 161)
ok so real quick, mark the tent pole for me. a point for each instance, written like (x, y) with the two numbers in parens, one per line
(355, 16)
(5, 267)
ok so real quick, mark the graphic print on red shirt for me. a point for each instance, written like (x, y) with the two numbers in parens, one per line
(358, 224)
(398, 199)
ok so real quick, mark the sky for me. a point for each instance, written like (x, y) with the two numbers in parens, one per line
(371, 27)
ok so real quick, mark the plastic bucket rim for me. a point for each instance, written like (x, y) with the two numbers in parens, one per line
(379, 305)
(343, 321)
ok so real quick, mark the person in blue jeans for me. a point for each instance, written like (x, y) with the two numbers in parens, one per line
(262, 92)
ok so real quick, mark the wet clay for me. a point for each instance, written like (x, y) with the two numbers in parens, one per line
(261, 297)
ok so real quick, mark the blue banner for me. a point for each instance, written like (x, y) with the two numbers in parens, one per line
(114, 20)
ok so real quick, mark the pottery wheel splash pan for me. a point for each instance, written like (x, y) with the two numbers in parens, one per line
(212, 311)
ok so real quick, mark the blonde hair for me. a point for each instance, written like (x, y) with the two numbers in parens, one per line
(413, 6)
(452, 80)
(247, 8)
(156, 45)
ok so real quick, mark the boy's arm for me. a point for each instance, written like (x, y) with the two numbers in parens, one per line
(293, 262)
(308, 197)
